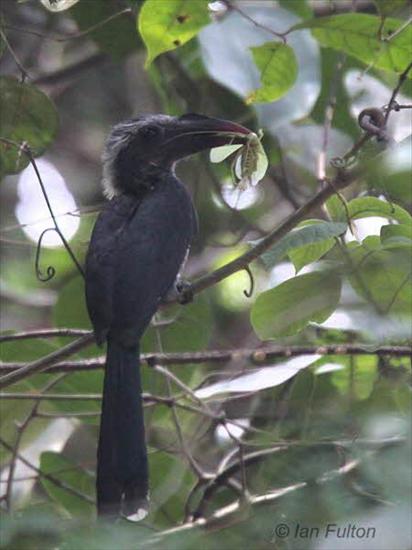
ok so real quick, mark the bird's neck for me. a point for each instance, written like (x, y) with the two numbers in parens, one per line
(133, 180)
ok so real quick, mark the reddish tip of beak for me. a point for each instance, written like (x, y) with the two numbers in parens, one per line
(228, 126)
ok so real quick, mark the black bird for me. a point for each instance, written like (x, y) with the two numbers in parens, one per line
(138, 245)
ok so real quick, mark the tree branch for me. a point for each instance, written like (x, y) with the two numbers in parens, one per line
(46, 361)
(257, 356)
(343, 179)
(43, 333)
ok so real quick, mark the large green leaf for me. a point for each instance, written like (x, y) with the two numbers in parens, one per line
(317, 232)
(365, 207)
(165, 26)
(357, 34)
(289, 307)
(71, 476)
(396, 236)
(278, 68)
(382, 276)
(313, 251)
(27, 115)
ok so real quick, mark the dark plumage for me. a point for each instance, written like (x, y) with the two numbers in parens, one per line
(137, 248)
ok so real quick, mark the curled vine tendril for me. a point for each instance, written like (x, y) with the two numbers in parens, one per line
(248, 293)
(50, 270)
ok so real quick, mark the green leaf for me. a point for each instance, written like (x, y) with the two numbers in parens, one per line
(386, 7)
(357, 34)
(27, 115)
(118, 37)
(278, 68)
(382, 276)
(289, 307)
(305, 255)
(317, 232)
(313, 251)
(165, 26)
(396, 236)
(72, 477)
(365, 207)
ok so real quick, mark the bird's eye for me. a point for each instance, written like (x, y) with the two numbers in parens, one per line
(149, 132)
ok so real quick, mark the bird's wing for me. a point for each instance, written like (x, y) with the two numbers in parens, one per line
(101, 261)
(135, 254)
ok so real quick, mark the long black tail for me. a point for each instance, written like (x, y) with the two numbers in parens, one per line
(122, 472)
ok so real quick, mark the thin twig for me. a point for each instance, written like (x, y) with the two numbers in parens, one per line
(183, 445)
(231, 5)
(401, 28)
(401, 80)
(46, 361)
(24, 147)
(17, 61)
(21, 428)
(73, 36)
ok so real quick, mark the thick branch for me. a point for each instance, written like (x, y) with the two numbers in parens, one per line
(257, 356)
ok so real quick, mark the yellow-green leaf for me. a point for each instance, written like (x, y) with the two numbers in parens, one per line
(166, 25)
(278, 71)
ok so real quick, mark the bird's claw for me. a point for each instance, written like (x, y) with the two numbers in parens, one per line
(184, 290)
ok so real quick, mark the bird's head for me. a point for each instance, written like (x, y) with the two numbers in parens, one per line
(139, 150)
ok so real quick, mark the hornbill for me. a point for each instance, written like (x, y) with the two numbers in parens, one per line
(138, 245)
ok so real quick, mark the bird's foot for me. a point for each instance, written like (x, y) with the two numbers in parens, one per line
(184, 291)
(181, 292)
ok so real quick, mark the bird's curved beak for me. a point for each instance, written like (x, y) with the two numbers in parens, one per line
(193, 133)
